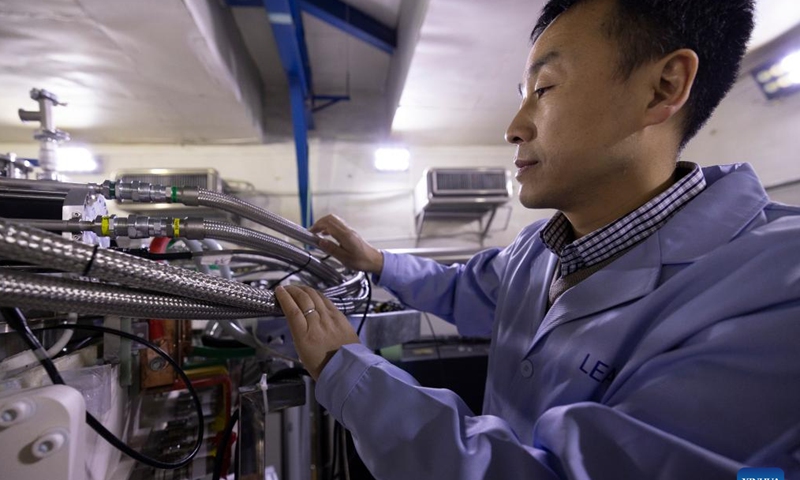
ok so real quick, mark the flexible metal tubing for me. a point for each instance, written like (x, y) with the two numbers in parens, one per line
(351, 286)
(225, 231)
(53, 251)
(28, 290)
(263, 217)
(278, 248)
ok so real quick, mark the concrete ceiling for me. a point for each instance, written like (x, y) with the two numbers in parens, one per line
(150, 71)
(462, 85)
(198, 72)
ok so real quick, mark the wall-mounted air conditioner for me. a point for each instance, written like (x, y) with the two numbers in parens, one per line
(462, 190)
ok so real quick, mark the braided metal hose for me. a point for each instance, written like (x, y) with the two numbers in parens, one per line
(266, 243)
(46, 249)
(42, 292)
(249, 211)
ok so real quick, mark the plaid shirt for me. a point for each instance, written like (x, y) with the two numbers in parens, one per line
(625, 232)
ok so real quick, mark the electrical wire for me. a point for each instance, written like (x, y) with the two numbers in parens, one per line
(16, 319)
(366, 308)
(294, 272)
(223, 446)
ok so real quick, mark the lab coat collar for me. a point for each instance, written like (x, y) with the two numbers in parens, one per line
(705, 223)
(733, 198)
(631, 276)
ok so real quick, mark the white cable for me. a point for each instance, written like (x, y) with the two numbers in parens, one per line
(62, 342)
(262, 384)
(195, 246)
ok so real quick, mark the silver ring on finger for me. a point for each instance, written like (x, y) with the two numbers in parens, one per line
(309, 312)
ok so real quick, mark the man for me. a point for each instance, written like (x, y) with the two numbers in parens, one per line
(648, 330)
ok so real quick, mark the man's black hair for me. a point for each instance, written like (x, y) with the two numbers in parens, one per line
(647, 30)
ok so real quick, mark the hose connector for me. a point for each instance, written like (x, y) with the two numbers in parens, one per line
(136, 191)
(137, 226)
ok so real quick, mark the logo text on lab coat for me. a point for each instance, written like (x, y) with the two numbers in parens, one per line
(597, 370)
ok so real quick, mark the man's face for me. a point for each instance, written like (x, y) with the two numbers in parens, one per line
(575, 127)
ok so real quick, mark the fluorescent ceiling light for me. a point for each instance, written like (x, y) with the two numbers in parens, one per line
(392, 159)
(780, 79)
(77, 160)
(791, 67)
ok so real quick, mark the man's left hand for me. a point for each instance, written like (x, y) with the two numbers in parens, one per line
(318, 328)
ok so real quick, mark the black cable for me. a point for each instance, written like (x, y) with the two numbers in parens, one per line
(223, 446)
(274, 284)
(91, 262)
(16, 319)
(142, 253)
(366, 309)
(77, 345)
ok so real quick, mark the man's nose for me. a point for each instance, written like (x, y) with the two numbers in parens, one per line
(521, 130)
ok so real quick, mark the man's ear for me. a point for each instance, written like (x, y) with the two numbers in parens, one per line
(671, 85)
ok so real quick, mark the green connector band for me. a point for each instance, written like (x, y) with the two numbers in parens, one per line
(112, 191)
(174, 194)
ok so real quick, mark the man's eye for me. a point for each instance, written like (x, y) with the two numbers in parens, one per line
(540, 91)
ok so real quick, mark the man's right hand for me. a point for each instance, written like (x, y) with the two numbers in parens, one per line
(352, 250)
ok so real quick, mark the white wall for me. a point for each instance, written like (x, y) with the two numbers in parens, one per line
(748, 128)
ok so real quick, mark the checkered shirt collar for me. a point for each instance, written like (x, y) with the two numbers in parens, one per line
(625, 232)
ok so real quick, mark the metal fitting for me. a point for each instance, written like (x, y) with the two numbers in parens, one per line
(13, 167)
(189, 196)
(160, 227)
(138, 226)
(157, 364)
(141, 192)
(193, 228)
(42, 94)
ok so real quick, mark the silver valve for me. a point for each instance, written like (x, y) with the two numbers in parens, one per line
(48, 135)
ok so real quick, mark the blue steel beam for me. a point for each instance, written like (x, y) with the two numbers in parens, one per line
(287, 27)
(354, 22)
(342, 16)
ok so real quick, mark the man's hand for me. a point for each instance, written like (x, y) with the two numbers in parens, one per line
(352, 251)
(318, 328)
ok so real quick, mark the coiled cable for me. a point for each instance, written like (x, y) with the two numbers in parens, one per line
(17, 320)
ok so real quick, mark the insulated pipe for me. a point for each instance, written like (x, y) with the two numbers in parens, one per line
(29, 290)
(46, 249)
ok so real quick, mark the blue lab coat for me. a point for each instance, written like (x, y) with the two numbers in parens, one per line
(681, 359)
